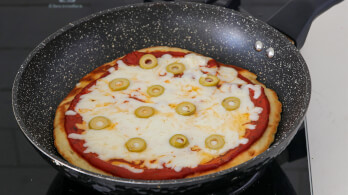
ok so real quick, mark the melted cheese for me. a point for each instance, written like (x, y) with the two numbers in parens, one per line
(210, 117)
(132, 169)
(70, 112)
(112, 69)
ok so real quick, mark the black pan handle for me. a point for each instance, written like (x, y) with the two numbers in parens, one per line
(295, 17)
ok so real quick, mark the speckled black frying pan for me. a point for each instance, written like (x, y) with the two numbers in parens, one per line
(53, 68)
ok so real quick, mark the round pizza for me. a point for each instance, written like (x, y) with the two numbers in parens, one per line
(165, 113)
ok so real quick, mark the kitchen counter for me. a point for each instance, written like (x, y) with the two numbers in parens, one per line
(326, 54)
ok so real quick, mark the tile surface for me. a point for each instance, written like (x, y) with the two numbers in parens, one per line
(11, 59)
(21, 180)
(7, 119)
(27, 154)
(8, 157)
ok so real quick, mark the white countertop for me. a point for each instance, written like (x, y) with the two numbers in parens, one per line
(326, 54)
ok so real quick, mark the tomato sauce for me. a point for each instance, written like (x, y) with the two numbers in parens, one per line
(165, 173)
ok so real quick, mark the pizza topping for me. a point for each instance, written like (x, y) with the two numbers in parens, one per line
(112, 69)
(256, 89)
(144, 112)
(179, 141)
(215, 142)
(130, 168)
(254, 116)
(99, 122)
(209, 80)
(155, 90)
(176, 68)
(251, 126)
(70, 113)
(210, 118)
(231, 103)
(136, 144)
(185, 108)
(148, 61)
(119, 84)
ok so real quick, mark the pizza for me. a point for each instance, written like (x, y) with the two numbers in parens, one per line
(165, 113)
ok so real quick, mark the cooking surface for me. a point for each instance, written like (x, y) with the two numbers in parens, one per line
(23, 26)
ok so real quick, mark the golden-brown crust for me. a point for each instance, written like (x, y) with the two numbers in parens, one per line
(63, 146)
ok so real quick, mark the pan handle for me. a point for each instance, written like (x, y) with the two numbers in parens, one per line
(295, 17)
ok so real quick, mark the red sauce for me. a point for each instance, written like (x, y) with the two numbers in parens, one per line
(213, 63)
(178, 75)
(165, 173)
(136, 98)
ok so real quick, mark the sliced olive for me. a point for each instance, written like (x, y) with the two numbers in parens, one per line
(185, 108)
(176, 68)
(155, 90)
(214, 142)
(231, 103)
(136, 144)
(148, 61)
(209, 80)
(144, 112)
(179, 141)
(119, 84)
(99, 122)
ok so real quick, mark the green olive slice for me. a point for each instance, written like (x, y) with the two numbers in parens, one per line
(209, 80)
(99, 122)
(148, 61)
(231, 103)
(179, 141)
(155, 90)
(119, 84)
(144, 112)
(214, 142)
(185, 108)
(176, 68)
(136, 144)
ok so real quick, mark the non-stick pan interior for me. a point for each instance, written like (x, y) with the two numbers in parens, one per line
(58, 63)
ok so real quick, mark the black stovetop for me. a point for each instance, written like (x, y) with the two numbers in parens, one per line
(24, 24)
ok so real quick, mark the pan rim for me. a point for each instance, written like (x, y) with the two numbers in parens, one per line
(59, 161)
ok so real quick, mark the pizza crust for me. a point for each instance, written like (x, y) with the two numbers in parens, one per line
(63, 146)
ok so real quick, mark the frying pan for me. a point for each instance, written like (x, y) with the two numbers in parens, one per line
(53, 68)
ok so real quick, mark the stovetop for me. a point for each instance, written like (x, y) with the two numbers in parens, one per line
(25, 24)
